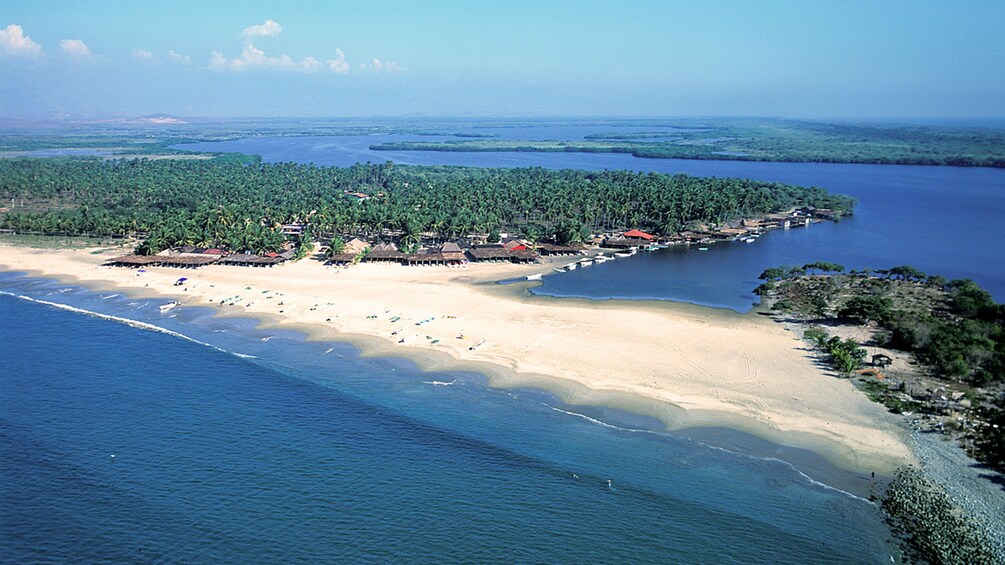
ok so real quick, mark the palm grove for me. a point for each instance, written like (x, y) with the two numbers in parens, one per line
(241, 208)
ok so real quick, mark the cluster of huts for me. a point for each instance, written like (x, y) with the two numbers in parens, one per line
(455, 253)
(189, 257)
(451, 253)
(737, 229)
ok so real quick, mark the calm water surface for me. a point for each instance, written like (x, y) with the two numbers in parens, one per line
(234, 445)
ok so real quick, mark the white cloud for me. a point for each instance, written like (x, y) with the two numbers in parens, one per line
(179, 58)
(142, 54)
(14, 42)
(254, 58)
(268, 28)
(74, 48)
(379, 66)
(338, 64)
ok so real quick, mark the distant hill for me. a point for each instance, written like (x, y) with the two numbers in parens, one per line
(152, 119)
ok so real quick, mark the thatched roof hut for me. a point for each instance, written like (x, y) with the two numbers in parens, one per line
(499, 253)
(186, 261)
(385, 252)
(342, 258)
(560, 250)
(356, 245)
(132, 261)
(251, 260)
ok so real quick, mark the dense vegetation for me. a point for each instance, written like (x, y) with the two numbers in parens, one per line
(771, 140)
(241, 207)
(954, 327)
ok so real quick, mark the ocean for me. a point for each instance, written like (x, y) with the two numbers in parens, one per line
(130, 435)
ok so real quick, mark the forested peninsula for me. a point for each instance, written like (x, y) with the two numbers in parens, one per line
(767, 140)
(243, 207)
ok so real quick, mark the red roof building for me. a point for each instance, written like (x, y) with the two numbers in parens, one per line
(638, 234)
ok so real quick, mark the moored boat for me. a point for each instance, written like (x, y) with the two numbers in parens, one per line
(168, 306)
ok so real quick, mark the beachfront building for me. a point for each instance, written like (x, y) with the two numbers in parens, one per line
(350, 253)
(556, 250)
(449, 254)
(250, 260)
(630, 238)
(499, 253)
(385, 252)
(189, 257)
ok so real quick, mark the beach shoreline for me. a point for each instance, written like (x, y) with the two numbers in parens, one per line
(687, 366)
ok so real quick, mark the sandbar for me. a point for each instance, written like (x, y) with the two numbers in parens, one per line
(686, 365)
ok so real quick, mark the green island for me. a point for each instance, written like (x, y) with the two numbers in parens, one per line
(768, 140)
(242, 207)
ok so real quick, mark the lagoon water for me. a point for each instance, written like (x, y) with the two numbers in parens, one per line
(942, 220)
(236, 445)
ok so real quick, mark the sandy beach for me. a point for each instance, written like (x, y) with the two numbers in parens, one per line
(686, 365)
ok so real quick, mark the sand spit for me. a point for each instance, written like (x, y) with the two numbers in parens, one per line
(686, 365)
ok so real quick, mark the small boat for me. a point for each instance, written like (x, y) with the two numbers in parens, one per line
(168, 306)
(536, 277)
(570, 267)
(585, 262)
(623, 255)
(702, 249)
(749, 240)
(557, 270)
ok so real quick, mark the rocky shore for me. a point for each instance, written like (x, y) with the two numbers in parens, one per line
(951, 509)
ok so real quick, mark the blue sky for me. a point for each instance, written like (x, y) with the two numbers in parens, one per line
(802, 59)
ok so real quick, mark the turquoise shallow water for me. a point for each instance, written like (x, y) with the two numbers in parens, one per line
(236, 445)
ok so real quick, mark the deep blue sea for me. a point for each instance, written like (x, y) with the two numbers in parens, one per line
(236, 445)
(942, 220)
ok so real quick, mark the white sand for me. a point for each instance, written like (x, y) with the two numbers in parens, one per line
(686, 365)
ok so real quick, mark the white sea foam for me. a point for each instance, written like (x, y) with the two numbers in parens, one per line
(806, 477)
(110, 296)
(602, 423)
(439, 383)
(127, 321)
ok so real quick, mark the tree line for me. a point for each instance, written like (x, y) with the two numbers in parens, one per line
(242, 206)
